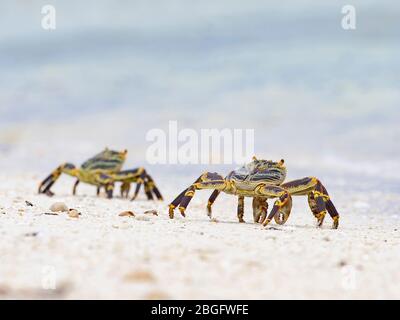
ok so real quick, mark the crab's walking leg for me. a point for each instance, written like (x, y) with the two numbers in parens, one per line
(282, 206)
(147, 190)
(106, 181)
(211, 201)
(175, 203)
(153, 187)
(139, 176)
(109, 190)
(240, 209)
(47, 183)
(318, 198)
(125, 188)
(98, 190)
(207, 180)
(139, 182)
(137, 189)
(260, 207)
(75, 186)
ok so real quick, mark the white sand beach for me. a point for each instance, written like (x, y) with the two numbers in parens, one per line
(321, 96)
(103, 255)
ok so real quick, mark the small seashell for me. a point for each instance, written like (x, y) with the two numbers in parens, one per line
(73, 213)
(139, 276)
(153, 212)
(58, 207)
(127, 214)
(28, 203)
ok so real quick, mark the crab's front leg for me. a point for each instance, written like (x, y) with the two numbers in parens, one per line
(106, 181)
(47, 183)
(260, 207)
(207, 180)
(318, 198)
(282, 206)
(214, 195)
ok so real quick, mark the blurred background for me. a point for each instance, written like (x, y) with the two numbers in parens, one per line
(324, 98)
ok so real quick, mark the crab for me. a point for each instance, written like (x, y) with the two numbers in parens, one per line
(261, 180)
(102, 171)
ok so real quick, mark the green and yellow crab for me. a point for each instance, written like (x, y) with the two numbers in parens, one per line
(102, 171)
(262, 180)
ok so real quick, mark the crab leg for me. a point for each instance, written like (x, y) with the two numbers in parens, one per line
(282, 206)
(240, 209)
(140, 181)
(77, 182)
(176, 202)
(47, 183)
(153, 187)
(109, 190)
(137, 189)
(214, 195)
(125, 188)
(260, 207)
(207, 180)
(147, 190)
(211, 201)
(140, 176)
(75, 186)
(318, 198)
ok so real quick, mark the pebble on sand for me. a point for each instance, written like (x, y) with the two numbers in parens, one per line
(139, 276)
(73, 213)
(59, 207)
(127, 214)
(153, 212)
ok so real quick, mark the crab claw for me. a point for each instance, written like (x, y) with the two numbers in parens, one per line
(46, 184)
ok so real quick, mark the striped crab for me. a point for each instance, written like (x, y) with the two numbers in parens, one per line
(102, 171)
(262, 180)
